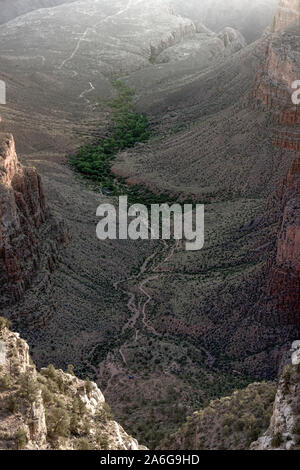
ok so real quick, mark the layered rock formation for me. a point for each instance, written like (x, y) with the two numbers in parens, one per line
(284, 274)
(284, 430)
(29, 236)
(273, 87)
(51, 409)
(288, 14)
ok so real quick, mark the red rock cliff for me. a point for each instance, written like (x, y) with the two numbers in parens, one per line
(29, 237)
(284, 275)
(273, 90)
(288, 14)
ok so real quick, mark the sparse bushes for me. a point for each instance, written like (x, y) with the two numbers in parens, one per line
(21, 439)
(231, 422)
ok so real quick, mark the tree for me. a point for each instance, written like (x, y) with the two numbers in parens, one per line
(58, 423)
(29, 387)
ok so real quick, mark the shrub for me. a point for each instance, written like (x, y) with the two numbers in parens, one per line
(28, 387)
(21, 439)
(74, 423)
(104, 413)
(13, 405)
(83, 444)
(88, 386)
(58, 423)
(5, 383)
(102, 440)
(79, 407)
(70, 369)
(4, 323)
(47, 395)
(50, 372)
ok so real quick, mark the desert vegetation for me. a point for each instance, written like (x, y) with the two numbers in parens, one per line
(232, 422)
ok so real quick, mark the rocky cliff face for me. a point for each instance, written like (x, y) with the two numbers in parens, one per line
(288, 14)
(51, 409)
(284, 274)
(29, 236)
(273, 87)
(284, 430)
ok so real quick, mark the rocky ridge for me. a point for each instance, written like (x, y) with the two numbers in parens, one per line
(51, 409)
(232, 422)
(284, 430)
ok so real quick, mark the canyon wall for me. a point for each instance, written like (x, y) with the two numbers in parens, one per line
(288, 14)
(29, 236)
(272, 94)
(283, 279)
(272, 91)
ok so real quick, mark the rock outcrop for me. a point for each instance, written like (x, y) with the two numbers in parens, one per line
(284, 430)
(288, 14)
(51, 408)
(233, 40)
(29, 236)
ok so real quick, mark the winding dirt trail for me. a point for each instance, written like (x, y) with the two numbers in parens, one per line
(139, 299)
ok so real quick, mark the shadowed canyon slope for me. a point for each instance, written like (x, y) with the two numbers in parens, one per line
(188, 327)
